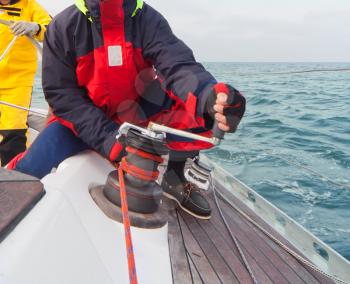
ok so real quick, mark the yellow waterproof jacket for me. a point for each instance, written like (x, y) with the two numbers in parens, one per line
(18, 68)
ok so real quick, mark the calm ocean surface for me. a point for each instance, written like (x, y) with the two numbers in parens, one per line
(293, 146)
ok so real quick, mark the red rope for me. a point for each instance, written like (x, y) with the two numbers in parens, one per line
(138, 172)
(126, 222)
(144, 154)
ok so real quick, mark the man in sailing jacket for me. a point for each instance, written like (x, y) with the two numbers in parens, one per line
(17, 70)
(108, 62)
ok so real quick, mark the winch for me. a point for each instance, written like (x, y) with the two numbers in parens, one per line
(198, 173)
(133, 188)
(145, 149)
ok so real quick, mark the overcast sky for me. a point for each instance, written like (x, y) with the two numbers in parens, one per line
(256, 30)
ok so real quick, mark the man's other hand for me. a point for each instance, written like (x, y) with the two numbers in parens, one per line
(24, 28)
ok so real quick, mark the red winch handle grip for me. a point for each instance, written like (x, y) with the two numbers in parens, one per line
(221, 88)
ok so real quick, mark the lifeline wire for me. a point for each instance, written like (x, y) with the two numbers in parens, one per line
(309, 169)
(23, 108)
(8, 48)
(296, 72)
(36, 44)
(315, 173)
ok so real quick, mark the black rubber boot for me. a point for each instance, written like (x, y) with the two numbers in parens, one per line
(12, 142)
(184, 193)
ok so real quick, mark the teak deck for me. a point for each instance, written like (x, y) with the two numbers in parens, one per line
(36, 122)
(203, 251)
(18, 194)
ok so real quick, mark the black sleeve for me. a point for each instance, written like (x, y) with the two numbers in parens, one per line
(69, 102)
(173, 59)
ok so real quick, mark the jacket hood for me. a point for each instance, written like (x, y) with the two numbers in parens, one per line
(91, 8)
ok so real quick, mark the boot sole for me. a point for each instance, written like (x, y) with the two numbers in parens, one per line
(185, 209)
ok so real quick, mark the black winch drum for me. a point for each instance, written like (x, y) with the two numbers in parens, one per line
(142, 196)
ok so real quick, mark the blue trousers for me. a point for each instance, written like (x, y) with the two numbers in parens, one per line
(54, 144)
(57, 143)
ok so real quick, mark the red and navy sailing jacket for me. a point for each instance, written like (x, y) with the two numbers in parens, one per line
(99, 56)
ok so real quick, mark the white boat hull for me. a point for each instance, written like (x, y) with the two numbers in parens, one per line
(67, 239)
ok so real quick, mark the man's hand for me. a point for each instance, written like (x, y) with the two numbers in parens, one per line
(227, 106)
(221, 102)
(24, 28)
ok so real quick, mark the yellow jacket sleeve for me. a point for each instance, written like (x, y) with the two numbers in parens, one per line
(42, 18)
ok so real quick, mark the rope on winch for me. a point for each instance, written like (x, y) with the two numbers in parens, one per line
(127, 167)
(278, 242)
(127, 230)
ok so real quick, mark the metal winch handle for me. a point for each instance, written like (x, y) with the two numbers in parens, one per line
(219, 134)
(165, 129)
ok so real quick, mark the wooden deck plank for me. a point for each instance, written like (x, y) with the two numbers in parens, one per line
(307, 275)
(258, 272)
(253, 249)
(14, 176)
(253, 215)
(198, 256)
(289, 260)
(251, 237)
(37, 122)
(227, 253)
(17, 198)
(215, 258)
(179, 260)
(195, 275)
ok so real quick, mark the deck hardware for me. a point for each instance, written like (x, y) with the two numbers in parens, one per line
(321, 251)
(140, 166)
(251, 197)
(198, 173)
(282, 221)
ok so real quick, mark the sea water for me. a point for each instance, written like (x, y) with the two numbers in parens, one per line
(293, 145)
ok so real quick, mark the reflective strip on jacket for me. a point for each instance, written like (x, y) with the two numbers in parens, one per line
(20, 64)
